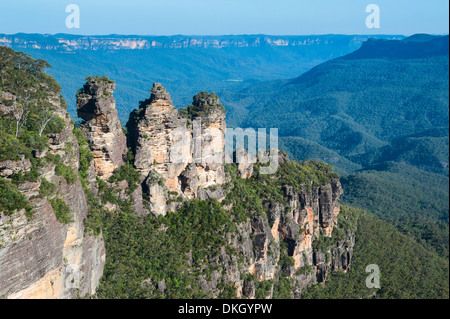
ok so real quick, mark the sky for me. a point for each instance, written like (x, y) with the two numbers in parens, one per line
(220, 17)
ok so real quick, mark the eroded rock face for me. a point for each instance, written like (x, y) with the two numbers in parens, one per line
(311, 215)
(41, 257)
(9, 168)
(162, 143)
(209, 135)
(262, 240)
(178, 154)
(101, 126)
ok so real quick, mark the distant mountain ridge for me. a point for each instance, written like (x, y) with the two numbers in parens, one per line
(373, 96)
(414, 47)
(68, 42)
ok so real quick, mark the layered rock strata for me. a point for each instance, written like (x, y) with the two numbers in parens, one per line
(40, 257)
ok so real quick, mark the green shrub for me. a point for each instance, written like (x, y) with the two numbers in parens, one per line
(202, 110)
(305, 270)
(200, 226)
(86, 156)
(46, 189)
(228, 292)
(61, 210)
(130, 174)
(10, 147)
(56, 125)
(11, 199)
(30, 176)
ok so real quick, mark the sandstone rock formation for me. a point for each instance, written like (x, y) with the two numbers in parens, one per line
(178, 154)
(208, 128)
(299, 226)
(101, 126)
(41, 257)
(162, 145)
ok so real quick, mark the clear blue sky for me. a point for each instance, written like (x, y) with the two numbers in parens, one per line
(218, 17)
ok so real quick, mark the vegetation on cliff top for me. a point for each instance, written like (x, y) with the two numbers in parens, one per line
(204, 105)
(29, 100)
(101, 79)
(248, 196)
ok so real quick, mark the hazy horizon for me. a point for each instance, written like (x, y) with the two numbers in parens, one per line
(226, 35)
(224, 17)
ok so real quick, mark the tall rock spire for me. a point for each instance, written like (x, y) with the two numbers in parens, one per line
(208, 128)
(157, 130)
(162, 143)
(101, 126)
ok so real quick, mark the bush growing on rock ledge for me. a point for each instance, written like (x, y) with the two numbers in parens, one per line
(204, 104)
(85, 153)
(61, 210)
(61, 169)
(11, 199)
(103, 79)
(10, 147)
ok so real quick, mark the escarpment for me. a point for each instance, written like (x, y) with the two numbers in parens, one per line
(208, 124)
(45, 249)
(291, 237)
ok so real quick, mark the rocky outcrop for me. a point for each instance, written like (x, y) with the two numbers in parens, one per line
(158, 128)
(41, 257)
(286, 241)
(162, 145)
(101, 126)
(208, 126)
(178, 154)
